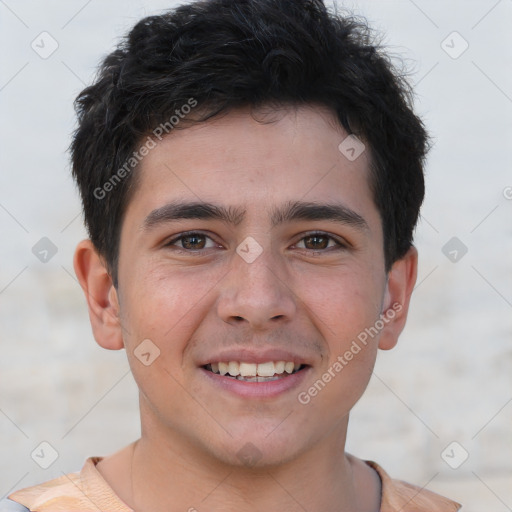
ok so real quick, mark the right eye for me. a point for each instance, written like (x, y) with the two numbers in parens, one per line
(190, 241)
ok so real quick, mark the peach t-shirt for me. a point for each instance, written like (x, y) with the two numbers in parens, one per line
(88, 491)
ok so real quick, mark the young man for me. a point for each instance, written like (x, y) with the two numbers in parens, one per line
(251, 174)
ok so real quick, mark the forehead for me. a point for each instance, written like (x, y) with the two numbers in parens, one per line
(254, 160)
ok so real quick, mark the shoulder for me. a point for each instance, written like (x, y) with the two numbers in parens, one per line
(402, 496)
(85, 491)
(7, 505)
(38, 496)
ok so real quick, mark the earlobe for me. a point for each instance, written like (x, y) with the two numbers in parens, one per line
(101, 296)
(401, 281)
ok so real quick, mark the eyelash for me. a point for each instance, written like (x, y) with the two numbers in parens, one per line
(339, 244)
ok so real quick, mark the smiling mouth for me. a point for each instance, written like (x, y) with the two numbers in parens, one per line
(251, 372)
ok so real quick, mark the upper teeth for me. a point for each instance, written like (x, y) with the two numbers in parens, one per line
(268, 369)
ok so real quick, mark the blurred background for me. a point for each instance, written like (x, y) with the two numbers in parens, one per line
(438, 411)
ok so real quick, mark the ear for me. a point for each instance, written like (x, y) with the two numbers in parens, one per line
(399, 287)
(101, 296)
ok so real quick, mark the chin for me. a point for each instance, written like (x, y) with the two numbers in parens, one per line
(257, 450)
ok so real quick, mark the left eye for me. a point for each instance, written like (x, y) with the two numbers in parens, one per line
(319, 241)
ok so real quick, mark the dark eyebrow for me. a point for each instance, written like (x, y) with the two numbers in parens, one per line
(335, 212)
(178, 210)
(293, 210)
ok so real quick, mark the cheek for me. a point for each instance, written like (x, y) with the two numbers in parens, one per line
(161, 309)
(164, 300)
(343, 302)
(345, 308)
(164, 305)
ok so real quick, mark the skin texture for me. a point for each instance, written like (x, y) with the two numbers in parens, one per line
(310, 297)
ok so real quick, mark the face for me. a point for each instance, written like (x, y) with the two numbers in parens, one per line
(251, 247)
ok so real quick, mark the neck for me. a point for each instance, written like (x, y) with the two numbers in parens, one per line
(168, 474)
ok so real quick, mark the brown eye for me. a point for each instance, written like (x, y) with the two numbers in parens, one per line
(320, 242)
(316, 242)
(193, 241)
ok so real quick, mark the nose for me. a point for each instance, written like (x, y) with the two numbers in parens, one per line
(257, 294)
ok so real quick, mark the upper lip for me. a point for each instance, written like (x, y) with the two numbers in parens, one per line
(254, 356)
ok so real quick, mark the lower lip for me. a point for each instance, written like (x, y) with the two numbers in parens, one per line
(268, 389)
